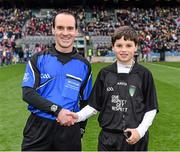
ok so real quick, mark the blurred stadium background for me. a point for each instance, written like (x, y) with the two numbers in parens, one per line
(25, 28)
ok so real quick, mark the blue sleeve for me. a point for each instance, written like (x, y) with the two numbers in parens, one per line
(29, 76)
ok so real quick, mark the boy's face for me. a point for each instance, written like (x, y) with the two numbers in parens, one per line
(124, 50)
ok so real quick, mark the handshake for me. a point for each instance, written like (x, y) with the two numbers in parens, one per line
(67, 118)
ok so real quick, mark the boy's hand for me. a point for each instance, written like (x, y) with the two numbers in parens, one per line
(134, 138)
(66, 117)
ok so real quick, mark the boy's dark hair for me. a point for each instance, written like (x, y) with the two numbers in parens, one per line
(127, 32)
(67, 12)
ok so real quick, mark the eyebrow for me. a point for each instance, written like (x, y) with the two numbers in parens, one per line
(65, 26)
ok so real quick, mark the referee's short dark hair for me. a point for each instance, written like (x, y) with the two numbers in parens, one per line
(127, 32)
(67, 12)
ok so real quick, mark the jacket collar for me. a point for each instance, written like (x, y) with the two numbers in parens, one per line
(135, 68)
(63, 57)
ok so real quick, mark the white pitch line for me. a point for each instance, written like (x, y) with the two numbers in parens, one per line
(170, 67)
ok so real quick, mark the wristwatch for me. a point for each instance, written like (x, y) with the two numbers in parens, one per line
(54, 108)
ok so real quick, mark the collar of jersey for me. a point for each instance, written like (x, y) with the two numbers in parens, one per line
(134, 68)
(63, 57)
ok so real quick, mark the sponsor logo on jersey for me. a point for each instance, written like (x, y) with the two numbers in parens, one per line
(120, 104)
(122, 83)
(45, 76)
(73, 83)
(110, 89)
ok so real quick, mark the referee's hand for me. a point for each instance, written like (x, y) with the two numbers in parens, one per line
(66, 117)
(134, 138)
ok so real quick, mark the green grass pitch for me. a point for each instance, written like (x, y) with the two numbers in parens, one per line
(164, 133)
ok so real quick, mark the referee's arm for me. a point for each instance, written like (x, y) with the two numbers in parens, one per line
(33, 98)
(30, 83)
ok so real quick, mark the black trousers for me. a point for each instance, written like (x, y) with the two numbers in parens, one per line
(117, 142)
(41, 134)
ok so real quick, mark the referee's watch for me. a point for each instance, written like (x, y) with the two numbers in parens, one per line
(55, 109)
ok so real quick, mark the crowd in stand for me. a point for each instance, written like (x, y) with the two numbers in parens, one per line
(39, 26)
(156, 26)
(12, 22)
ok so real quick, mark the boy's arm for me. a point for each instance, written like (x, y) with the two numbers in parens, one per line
(94, 102)
(85, 113)
(146, 122)
(139, 132)
(151, 104)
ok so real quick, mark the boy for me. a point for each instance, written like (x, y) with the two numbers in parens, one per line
(125, 95)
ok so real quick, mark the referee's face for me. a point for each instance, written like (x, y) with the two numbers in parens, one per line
(65, 32)
(124, 50)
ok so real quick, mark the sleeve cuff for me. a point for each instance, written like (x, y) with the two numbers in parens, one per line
(57, 111)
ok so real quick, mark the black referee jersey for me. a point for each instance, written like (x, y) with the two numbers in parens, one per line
(123, 98)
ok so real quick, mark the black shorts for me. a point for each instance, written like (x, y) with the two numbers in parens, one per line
(109, 141)
(41, 134)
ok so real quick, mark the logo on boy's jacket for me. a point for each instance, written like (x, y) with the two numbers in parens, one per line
(132, 90)
(118, 104)
(110, 89)
(122, 83)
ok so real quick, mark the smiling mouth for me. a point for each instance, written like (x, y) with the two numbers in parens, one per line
(124, 54)
(65, 40)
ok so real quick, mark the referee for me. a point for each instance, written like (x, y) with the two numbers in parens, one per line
(55, 83)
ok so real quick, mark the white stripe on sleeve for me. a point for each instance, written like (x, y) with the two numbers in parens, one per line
(30, 65)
